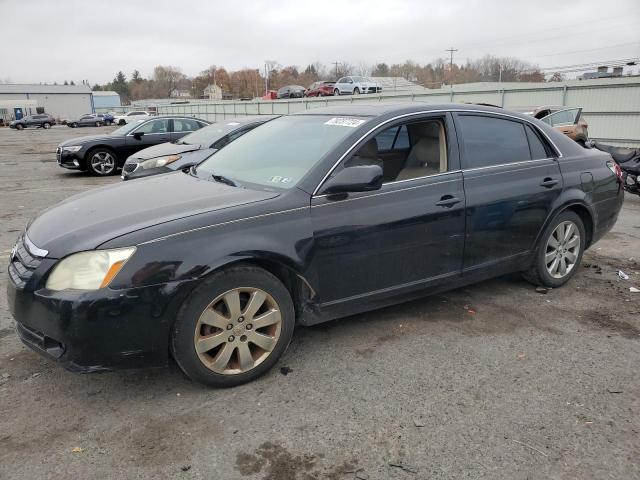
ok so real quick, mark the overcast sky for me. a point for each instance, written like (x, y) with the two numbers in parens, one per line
(47, 41)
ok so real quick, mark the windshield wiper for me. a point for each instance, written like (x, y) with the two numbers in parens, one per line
(223, 179)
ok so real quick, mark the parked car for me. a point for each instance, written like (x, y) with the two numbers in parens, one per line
(89, 120)
(567, 120)
(41, 120)
(320, 89)
(270, 95)
(104, 154)
(107, 118)
(130, 117)
(361, 207)
(291, 91)
(190, 149)
(354, 85)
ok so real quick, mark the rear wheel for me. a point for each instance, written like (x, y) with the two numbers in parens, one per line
(98, 124)
(233, 327)
(101, 162)
(46, 125)
(336, 92)
(356, 91)
(74, 125)
(19, 126)
(107, 123)
(121, 122)
(560, 251)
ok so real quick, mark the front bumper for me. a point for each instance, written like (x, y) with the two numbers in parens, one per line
(105, 329)
(70, 160)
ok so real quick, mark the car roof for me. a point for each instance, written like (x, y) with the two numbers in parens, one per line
(383, 108)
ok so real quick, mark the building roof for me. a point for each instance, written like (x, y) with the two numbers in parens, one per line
(398, 84)
(108, 93)
(31, 88)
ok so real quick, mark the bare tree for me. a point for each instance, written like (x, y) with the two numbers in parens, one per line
(167, 79)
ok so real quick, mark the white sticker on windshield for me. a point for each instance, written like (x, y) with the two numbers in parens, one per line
(279, 179)
(233, 123)
(345, 122)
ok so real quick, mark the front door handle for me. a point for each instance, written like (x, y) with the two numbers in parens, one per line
(548, 182)
(448, 201)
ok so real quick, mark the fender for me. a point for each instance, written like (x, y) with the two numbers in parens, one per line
(567, 199)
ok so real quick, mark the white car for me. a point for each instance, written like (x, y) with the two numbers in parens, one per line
(354, 85)
(130, 117)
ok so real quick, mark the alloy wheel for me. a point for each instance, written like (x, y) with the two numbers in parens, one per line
(238, 330)
(103, 163)
(563, 249)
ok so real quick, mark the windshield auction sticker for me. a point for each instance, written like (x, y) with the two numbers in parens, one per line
(345, 122)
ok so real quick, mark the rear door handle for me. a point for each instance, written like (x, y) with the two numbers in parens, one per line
(448, 201)
(548, 182)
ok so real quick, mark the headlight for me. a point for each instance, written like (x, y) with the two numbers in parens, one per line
(88, 270)
(160, 161)
(73, 148)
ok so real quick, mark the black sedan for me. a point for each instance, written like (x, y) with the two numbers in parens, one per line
(190, 149)
(104, 154)
(362, 206)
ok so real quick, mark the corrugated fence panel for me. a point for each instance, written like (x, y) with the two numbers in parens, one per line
(612, 108)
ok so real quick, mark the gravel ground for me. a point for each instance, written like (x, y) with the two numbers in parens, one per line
(492, 381)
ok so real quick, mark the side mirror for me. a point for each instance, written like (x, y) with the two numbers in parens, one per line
(138, 135)
(362, 178)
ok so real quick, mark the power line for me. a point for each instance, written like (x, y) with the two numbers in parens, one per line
(586, 50)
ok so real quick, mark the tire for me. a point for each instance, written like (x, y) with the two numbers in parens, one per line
(356, 91)
(101, 162)
(19, 126)
(98, 124)
(122, 122)
(108, 123)
(540, 272)
(221, 366)
(46, 125)
(74, 125)
(336, 92)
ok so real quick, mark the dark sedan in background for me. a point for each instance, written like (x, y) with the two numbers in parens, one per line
(190, 149)
(89, 120)
(291, 91)
(310, 217)
(104, 154)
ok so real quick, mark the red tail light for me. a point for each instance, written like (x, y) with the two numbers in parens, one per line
(615, 168)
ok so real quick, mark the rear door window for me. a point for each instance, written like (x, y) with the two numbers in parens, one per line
(185, 125)
(538, 150)
(563, 117)
(492, 141)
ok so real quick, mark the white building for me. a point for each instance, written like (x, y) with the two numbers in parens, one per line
(213, 92)
(61, 101)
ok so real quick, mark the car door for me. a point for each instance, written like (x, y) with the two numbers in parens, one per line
(31, 120)
(87, 120)
(149, 133)
(340, 84)
(407, 235)
(511, 180)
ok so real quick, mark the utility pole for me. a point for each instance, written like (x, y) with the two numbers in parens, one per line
(336, 64)
(451, 50)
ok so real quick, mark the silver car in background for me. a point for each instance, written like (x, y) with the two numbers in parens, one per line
(355, 85)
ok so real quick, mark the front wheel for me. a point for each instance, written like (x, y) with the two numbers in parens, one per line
(98, 124)
(234, 327)
(101, 162)
(19, 126)
(122, 122)
(560, 251)
(46, 125)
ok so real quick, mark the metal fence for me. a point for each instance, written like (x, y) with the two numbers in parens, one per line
(610, 106)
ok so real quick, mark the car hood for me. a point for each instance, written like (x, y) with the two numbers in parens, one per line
(87, 220)
(87, 139)
(162, 150)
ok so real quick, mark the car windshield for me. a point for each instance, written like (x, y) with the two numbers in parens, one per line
(123, 130)
(280, 152)
(207, 136)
